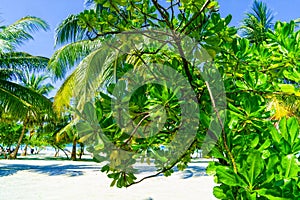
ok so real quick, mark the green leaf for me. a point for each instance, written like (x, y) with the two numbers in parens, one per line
(85, 137)
(252, 167)
(290, 167)
(275, 134)
(293, 129)
(90, 112)
(269, 193)
(265, 145)
(287, 88)
(228, 19)
(84, 128)
(219, 193)
(227, 176)
(283, 129)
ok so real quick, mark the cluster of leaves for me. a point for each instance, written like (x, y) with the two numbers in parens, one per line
(257, 158)
(267, 163)
(257, 71)
(9, 133)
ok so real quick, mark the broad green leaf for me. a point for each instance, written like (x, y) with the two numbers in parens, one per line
(276, 136)
(90, 112)
(269, 193)
(227, 176)
(85, 137)
(283, 129)
(287, 88)
(252, 167)
(84, 128)
(290, 166)
(219, 193)
(293, 129)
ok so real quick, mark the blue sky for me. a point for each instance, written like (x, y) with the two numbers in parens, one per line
(54, 11)
(284, 10)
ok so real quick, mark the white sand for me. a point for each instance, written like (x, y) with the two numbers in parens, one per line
(56, 180)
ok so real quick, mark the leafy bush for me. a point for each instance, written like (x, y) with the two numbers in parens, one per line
(267, 164)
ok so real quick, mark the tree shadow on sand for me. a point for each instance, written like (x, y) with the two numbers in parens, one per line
(50, 170)
(70, 170)
(196, 168)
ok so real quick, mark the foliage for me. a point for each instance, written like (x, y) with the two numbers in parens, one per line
(267, 163)
(15, 98)
(257, 23)
(9, 133)
(255, 159)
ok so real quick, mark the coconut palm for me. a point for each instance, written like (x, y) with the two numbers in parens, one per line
(36, 83)
(21, 102)
(15, 98)
(257, 23)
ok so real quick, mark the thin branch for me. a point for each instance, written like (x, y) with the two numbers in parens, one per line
(185, 62)
(135, 129)
(165, 169)
(195, 16)
(172, 14)
(146, 14)
(173, 5)
(163, 12)
(118, 11)
(183, 20)
(222, 127)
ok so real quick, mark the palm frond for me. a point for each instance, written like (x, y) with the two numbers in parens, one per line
(90, 74)
(19, 100)
(10, 74)
(69, 31)
(257, 23)
(21, 30)
(69, 55)
(65, 131)
(19, 60)
(5, 45)
(35, 82)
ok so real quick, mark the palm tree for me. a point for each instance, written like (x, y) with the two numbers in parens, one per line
(36, 83)
(257, 23)
(16, 99)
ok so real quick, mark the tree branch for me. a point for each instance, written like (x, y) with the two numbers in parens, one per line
(163, 12)
(195, 16)
(167, 168)
(135, 129)
(222, 127)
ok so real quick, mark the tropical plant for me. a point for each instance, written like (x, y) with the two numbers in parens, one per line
(36, 83)
(261, 84)
(15, 98)
(267, 167)
(9, 135)
(257, 23)
(253, 74)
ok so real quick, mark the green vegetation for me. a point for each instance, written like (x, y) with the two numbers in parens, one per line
(112, 48)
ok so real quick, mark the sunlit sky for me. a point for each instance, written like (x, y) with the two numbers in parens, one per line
(54, 11)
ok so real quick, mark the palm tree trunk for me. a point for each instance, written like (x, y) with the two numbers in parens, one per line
(13, 155)
(73, 154)
(26, 146)
(81, 150)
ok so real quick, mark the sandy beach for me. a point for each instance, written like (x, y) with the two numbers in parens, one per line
(57, 179)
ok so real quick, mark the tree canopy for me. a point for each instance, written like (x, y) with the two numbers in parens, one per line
(153, 81)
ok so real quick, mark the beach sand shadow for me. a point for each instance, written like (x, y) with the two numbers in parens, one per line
(50, 170)
(71, 170)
